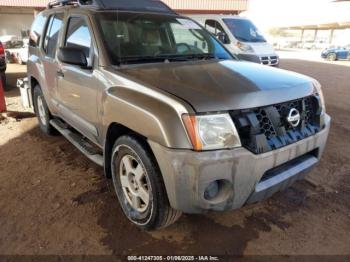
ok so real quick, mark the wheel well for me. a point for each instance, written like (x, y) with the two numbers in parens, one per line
(115, 131)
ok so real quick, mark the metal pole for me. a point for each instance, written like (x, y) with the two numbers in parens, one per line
(331, 37)
(302, 35)
(315, 36)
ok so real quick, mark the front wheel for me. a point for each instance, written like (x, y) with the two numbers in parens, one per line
(331, 57)
(139, 185)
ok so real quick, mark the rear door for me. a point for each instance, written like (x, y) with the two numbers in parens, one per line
(343, 53)
(49, 50)
(77, 86)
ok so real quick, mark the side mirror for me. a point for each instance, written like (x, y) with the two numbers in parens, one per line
(73, 56)
(223, 38)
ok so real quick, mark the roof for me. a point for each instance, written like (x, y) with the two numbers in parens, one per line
(216, 6)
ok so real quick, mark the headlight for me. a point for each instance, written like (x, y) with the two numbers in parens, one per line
(209, 132)
(319, 93)
(245, 47)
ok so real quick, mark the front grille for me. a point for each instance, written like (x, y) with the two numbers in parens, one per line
(269, 60)
(267, 128)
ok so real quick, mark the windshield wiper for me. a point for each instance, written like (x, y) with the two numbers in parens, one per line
(191, 57)
(165, 58)
(243, 39)
(141, 59)
(153, 59)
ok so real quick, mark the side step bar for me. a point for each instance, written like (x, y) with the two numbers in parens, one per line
(77, 140)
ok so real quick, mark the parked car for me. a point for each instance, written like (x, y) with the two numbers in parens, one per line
(241, 37)
(2, 65)
(336, 53)
(177, 122)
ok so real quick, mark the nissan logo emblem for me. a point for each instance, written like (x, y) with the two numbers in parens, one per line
(294, 117)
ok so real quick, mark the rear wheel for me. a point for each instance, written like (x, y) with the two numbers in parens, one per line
(139, 185)
(42, 112)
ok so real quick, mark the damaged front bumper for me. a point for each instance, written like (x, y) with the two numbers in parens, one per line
(241, 176)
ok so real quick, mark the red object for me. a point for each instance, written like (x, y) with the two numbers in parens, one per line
(2, 49)
(2, 98)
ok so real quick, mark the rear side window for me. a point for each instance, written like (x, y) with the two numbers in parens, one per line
(78, 35)
(37, 30)
(52, 34)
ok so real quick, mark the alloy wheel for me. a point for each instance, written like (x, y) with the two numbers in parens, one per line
(134, 182)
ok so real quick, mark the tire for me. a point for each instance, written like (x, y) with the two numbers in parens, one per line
(133, 154)
(331, 57)
(42, 112)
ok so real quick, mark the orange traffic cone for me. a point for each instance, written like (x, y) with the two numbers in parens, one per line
(2, 97)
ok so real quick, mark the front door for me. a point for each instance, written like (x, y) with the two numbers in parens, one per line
(77, 86)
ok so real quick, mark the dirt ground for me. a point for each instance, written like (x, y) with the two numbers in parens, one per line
(54, 201)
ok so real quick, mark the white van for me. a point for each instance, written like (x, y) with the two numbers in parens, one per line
(240, 36)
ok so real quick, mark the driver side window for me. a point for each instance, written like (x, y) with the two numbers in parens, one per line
(216, 29)
(78, 35)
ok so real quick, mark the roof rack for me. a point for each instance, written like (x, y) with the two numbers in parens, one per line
(57, 3)
(130, 5)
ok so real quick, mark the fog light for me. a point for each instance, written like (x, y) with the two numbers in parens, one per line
(212, 190)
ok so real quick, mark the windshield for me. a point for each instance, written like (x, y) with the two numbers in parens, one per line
(138, 38)
(244, 30)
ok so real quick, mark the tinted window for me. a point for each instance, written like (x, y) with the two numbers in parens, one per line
(52, 34)
(78, 35)
(244, 30)
(37, 30)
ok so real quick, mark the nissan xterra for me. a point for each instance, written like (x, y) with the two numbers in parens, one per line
(177, 122)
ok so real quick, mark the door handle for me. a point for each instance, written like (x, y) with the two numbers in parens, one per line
(60, 73)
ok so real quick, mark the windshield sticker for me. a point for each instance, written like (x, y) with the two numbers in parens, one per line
(253, 32)
(188, 24)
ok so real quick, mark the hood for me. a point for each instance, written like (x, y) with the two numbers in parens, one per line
(222, 85)
(263, 48)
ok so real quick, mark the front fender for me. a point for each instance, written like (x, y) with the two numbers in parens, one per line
(151, 114)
